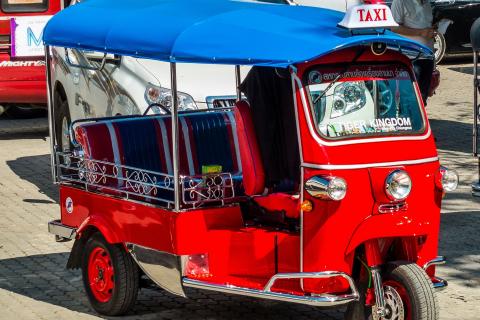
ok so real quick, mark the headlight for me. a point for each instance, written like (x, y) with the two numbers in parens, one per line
(398, 185)
(447, 179)
(327, 188)
(348, 97)
(163, 96)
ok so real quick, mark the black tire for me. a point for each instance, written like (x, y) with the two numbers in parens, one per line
(61, 112)
(125, 277)
(440, 47)
(413, 284)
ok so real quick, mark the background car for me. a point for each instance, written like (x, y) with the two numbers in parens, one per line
(456, 39)
(126, 85)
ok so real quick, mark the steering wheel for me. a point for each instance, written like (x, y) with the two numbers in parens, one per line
(167, 111)
(385, 98)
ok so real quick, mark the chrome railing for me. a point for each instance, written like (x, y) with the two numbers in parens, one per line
(139, 184)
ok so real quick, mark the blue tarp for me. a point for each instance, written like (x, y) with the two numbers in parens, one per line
(208, 31)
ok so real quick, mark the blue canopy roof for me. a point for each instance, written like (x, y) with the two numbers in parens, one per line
(208, 31)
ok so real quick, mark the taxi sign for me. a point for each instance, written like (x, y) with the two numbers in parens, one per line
(368, 16)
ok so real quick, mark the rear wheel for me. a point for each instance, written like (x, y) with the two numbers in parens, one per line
(110, 277)
(408, 294)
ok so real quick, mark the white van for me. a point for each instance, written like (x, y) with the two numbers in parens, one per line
(88, 86)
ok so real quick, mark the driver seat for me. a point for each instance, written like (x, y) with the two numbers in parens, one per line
(253, 167)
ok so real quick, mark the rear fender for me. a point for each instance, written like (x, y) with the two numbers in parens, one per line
(90, 226)
(110, 233)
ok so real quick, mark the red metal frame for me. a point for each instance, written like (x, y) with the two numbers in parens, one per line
(22, 81)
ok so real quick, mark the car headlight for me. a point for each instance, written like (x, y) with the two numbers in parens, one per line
(398, 185)
(447, 179)
(326, 187)
(348, 97)
(163, 96)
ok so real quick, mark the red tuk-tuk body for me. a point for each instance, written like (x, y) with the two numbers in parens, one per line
(22, 79)
(342, 207)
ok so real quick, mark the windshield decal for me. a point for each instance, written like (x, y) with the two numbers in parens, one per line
(358, 73)
(338, 129)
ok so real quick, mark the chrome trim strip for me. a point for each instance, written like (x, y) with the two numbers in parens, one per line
(163, 268)
(367, 165)
(320, 141)
(293, 71)
(435, 262)
(325, 300)
(57, 228)
(175, 139)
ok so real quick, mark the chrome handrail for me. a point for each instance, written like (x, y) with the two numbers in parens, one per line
(437, 261)
(319, 300)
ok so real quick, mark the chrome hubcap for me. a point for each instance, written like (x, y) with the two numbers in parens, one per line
(394, 309)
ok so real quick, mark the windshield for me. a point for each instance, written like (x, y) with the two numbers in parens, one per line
(21, 6)
(364, 101)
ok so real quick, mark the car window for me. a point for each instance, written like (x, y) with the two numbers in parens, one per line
(21, 6)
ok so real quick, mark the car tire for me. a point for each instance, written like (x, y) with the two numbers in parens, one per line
(407, 282)
(110, 276)
(62, 123)
(440, 47)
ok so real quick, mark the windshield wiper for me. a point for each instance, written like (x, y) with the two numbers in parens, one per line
(359, 53)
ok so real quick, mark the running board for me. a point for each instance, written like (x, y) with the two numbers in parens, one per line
(324, 300)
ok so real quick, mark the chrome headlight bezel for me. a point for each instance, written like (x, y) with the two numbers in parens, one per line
(395, 180)
(326, 187)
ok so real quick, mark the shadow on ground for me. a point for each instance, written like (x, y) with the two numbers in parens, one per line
(43, 278)
(460, 251)
(453, 135)
(36, 170)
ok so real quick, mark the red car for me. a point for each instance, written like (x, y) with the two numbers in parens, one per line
(22, 67)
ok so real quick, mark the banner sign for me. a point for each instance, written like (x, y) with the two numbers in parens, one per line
(27, 35)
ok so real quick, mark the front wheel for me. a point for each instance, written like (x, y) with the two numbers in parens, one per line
(110, 277)
(408, 294)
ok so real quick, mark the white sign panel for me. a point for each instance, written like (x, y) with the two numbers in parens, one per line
(368, 16)
(27, 36)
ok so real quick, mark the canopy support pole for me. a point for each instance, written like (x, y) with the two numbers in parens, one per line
(476, 88)
(174, 111)
(51, 115)
(238, 80)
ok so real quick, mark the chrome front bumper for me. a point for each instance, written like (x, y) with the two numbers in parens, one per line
(438, 283)
(62, 232)
(324, 300)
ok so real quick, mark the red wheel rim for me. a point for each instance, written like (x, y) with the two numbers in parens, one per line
(101, 274)
(403, 294)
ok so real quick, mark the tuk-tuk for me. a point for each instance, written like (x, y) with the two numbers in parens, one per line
(321, 185)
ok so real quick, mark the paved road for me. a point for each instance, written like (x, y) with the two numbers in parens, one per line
(35, 285)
